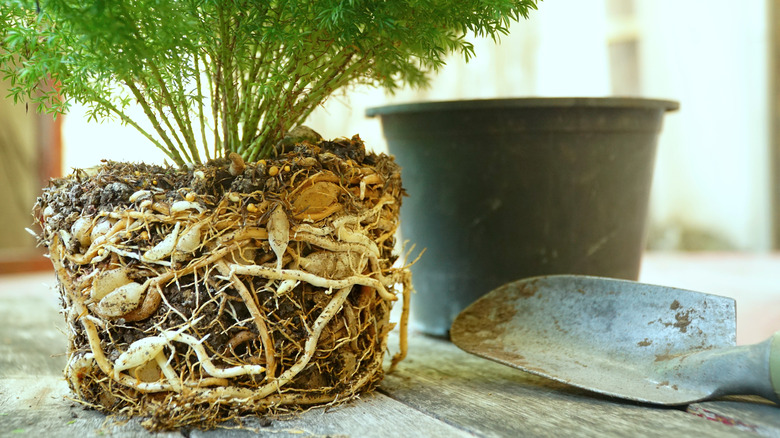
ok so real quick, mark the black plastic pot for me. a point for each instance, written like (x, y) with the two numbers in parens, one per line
(511, 188)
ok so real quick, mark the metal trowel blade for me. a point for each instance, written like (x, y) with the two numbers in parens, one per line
(600, 334)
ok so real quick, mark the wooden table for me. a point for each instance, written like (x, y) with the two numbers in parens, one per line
(438, 391)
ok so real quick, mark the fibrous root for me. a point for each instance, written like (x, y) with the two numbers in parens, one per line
(195, 295)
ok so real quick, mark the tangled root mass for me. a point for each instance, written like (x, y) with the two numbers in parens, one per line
(192, 296)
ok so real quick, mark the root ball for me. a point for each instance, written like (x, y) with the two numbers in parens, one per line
(194, 295)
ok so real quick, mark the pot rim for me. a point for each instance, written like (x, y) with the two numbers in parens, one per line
(525, 102)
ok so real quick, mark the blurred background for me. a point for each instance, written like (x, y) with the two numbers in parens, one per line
(715, 171)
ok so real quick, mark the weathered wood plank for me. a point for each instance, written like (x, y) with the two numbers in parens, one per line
(438, 391)
(38, 407)
(494, 400)
(374, 415)
(33, 393)
(32, 341)
(763, 419)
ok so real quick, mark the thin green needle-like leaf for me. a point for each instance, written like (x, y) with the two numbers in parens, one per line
(221, 76)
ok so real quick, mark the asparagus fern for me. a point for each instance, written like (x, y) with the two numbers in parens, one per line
(220, 76)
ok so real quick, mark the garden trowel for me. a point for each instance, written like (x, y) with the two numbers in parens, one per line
(621, 338)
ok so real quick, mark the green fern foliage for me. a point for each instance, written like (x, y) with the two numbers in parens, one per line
(220, 76)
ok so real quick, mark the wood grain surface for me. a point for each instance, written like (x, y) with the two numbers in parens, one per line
(439, 391)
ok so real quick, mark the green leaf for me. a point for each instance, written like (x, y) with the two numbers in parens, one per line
(242, 72)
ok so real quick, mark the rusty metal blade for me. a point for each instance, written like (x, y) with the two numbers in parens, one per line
(605, 335)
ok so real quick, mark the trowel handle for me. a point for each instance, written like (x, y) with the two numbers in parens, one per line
(774, 363)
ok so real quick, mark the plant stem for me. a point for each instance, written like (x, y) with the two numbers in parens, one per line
(170, 149)
(227, 83)
(201, 115)
(183, 122)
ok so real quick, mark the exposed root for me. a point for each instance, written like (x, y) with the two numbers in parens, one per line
(258, 317)
(192, 296)
(404, 329)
